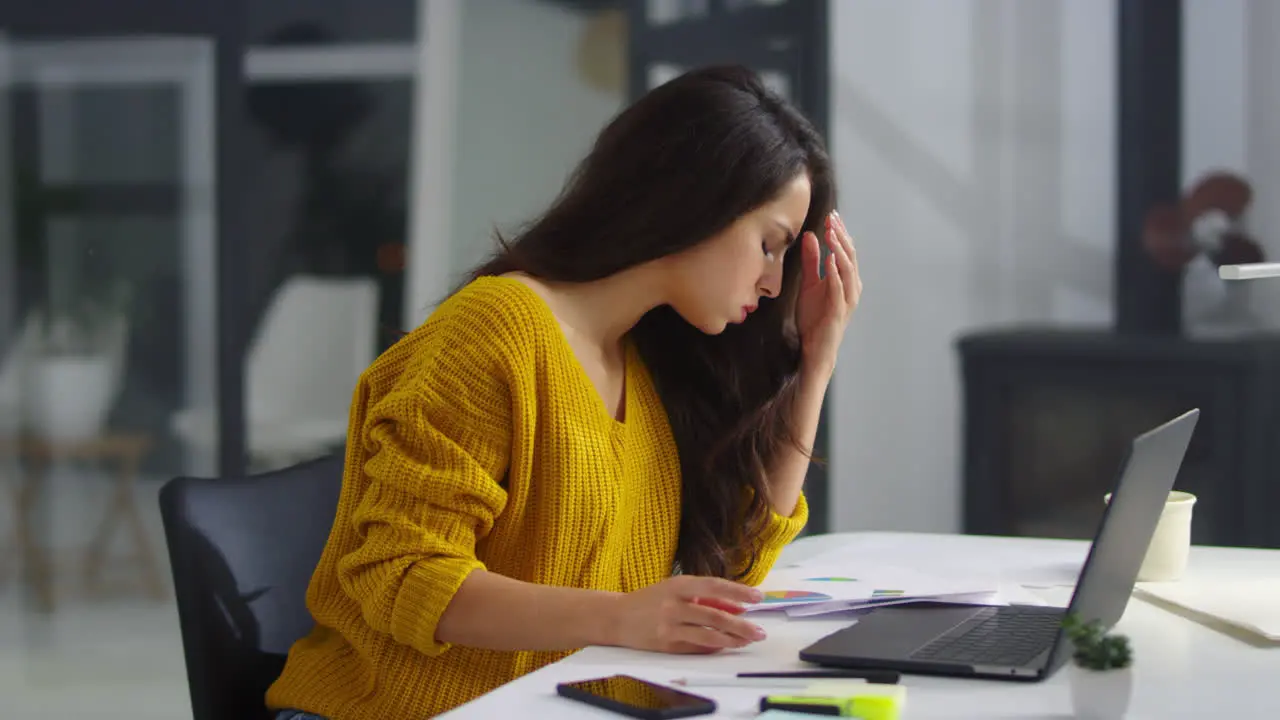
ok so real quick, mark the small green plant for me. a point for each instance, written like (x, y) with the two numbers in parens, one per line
(1095, 649)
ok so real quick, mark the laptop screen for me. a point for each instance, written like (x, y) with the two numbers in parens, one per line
(1145, 479)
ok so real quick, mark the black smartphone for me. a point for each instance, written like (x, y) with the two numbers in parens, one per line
(637, 698)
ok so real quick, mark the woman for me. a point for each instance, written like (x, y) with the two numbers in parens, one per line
(601, 437)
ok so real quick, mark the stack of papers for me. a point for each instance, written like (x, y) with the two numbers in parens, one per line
(814, 590)
(1251, 606)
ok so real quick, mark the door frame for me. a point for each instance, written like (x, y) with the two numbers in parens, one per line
(223, 24)
(428, 255)
(187, 65)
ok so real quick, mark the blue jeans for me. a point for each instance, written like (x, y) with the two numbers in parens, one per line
(297, 715)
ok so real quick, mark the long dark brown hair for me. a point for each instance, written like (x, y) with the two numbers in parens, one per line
(675, 168)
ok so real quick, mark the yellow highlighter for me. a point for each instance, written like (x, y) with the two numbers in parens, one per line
(872, 702)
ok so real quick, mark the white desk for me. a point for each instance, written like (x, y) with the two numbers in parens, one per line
(1182, 669)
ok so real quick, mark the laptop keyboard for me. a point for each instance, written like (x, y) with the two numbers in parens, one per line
(1005, 636)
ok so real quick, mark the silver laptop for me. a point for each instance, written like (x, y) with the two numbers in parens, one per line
(1026, 642)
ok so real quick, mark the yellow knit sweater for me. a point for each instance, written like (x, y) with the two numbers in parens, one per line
(478, 441)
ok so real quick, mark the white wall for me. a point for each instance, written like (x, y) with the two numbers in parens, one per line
(525, 117)
(431, 173)
(501, 116)
(976, 149)
(974, 144)
(1231, 114)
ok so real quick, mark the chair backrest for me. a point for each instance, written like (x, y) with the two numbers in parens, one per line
(318, 335)
(243, 552)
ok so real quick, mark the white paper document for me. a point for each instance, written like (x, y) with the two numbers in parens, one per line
(1250, 605)
(1054, 570)
(817, 590)
(854, 606)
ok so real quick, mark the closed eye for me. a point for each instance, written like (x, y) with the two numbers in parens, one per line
(771, 253)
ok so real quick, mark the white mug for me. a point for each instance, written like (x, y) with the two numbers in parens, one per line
(1166, 557)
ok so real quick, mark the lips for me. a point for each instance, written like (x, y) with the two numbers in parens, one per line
(747, 310)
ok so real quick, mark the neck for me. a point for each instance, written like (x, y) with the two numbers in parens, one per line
(605, 310)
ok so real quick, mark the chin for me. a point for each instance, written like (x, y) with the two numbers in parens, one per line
(706, 323)
(712, 327)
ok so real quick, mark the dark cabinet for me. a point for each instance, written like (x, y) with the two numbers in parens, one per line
(1048, 415)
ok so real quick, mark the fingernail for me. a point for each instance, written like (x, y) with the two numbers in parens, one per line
(756, 595)
(758, 633)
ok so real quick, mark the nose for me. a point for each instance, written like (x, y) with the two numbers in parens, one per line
(771, 282)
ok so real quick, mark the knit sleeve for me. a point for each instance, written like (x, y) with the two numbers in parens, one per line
(777, 533)
(437, 448)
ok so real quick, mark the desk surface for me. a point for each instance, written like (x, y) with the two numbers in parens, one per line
(1181, 668)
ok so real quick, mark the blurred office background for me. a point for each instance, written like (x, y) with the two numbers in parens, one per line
(213, 215)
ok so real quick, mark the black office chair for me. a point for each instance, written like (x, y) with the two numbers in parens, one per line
(242, 551)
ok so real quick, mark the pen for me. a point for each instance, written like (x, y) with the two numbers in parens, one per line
(883, 677)
(731, 681)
